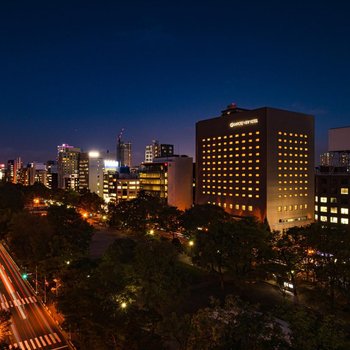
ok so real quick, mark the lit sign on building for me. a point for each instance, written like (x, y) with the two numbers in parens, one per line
(111, 164)
(94, 154)
(244, 122)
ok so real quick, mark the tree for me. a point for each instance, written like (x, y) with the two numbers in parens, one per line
(235, 325)
(168, 219)
(159, 276)
(11, 197)
(29, 238)
(310, 330)
(234, 246)
(137, 214)
(290, 250)
(90, 202)
(203, 216)
(331, 257)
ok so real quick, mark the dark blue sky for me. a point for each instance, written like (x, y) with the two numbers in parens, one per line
(78, 71)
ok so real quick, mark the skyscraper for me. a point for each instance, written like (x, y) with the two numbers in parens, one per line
(258, 163)
(156, 150)
(68, 166)
(123, 155)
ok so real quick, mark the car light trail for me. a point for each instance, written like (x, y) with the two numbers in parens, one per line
(11, 292)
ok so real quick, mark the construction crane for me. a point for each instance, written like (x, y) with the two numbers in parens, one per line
(120, 135)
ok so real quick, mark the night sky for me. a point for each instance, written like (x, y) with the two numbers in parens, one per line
(78, 71)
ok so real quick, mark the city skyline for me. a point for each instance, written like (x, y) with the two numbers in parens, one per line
(79, 73)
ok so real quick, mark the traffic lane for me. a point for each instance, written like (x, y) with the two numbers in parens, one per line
(38, 329)
(29, 315)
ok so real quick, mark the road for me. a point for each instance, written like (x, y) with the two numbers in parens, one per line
(32, 327)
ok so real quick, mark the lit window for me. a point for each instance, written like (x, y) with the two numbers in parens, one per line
(323, 218)
(243, 207)
(333, 200)
(250, 207)
(334, 210)
(344, 221)
(316, 216)
(237, 206)
(323, 209)
(323, 199)
(334, 220)
(344, 211)
(344, 190)
(279, 208)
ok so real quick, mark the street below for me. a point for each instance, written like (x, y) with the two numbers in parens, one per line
(32, 327)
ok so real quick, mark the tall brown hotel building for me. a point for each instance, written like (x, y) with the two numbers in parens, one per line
(258, 163)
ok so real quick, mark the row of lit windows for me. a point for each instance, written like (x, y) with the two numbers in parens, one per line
(293, 195)
(293, 160)
(332, 219)
(243, 148)
(291, 207)
(296, 168)
(250, 189)
(237, 155)
(291, 188)
(231, 136)
(291, 182)
(243, 161)
(293, 155)
(334, 210)
(231, 168)
(231, 143)
(249, 195)
(224, 174)
(236, 206)
(257, 182)
(343, 190)
(291, 148)
(292, 134)
(293, 175)
(291, 141)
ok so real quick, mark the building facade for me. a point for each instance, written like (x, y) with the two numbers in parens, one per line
(157, 150)
(68, 166)
(124, 153)
(258, 163)
(169, 178)
(332, 181)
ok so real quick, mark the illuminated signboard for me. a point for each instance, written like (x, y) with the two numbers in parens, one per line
(111, 164)
(244, 122)
(94, 154)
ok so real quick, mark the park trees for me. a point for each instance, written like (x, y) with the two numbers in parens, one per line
(235, 246)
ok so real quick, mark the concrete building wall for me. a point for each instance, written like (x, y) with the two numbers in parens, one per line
(180, 176)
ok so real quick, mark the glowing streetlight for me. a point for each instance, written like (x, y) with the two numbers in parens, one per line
(191, 243)
(151, 232)
(123, 305)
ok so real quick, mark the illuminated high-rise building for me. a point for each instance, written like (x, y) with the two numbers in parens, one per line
(68, 166)
(52, 174)
(157, 150)
(258, 163)
(2, 172)
(83, 171)
(13, 168)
